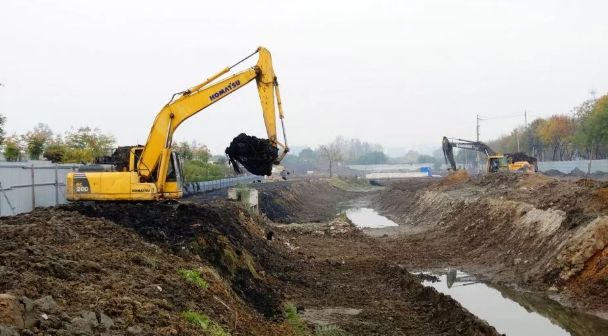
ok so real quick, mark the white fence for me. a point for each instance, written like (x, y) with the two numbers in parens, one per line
(568, 166)
(27, 185)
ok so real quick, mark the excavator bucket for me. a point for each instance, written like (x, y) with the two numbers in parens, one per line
(255, 154)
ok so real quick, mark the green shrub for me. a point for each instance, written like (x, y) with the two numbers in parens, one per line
(198, 171)
(205, 323)
(195, 277)
(290, 313)
(329, 330)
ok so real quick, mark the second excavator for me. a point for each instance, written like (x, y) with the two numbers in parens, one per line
(153, 171)
(511, 162)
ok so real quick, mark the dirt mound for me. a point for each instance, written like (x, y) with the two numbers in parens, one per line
(577, 173)
(90, 273)
(498, 179)
(554, 172)
(454, 178)
(533, 181)
(223, 234)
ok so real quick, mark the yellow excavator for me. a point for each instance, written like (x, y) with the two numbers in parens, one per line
(509, 162)
(153, 171)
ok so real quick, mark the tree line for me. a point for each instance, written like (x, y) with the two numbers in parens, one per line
(78, 145)
(581, 134)
(84, 144)
(334, 155)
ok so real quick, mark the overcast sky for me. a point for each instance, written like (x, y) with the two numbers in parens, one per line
(398, 73)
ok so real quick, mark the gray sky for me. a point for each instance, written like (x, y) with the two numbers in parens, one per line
(399, 73)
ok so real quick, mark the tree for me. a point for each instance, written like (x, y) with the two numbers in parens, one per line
(535, 144)
(411, 156)
(192, 151)
(2, 131)
(307, 155)
(84, 144)
(332, 154)
(55, 152)
(12, 148)
(197, 171)
(352, 149)
(593, 132)
(372, 158)
(201, 153)
(557, 132)
(36, 139)
(184, 150)
(423, 158)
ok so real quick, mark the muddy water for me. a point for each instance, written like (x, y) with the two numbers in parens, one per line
(516, 313)
(368, 218)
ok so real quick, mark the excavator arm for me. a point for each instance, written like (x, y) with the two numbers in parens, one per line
(448, 152)
(156, 153)
(511, 160)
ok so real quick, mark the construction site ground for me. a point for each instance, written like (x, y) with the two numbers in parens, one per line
(208, 266)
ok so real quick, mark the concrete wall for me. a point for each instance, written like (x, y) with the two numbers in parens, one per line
(26, 185)
(568, 166)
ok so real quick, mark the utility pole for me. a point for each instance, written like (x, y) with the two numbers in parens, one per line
(478, 127)
(477, 159)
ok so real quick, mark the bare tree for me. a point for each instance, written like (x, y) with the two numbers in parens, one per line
(332, 153)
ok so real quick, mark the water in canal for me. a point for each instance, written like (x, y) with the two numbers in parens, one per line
(514, 312)
(368, 218)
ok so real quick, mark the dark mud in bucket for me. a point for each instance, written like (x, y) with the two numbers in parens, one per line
(255, 154)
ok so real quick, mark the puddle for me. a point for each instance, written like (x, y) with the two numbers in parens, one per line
(368, 218)
(514, 312)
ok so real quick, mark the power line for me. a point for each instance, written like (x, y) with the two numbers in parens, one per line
(503, 116)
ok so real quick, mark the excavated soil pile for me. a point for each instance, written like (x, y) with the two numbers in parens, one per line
(455, 178)
(538, 231)
(223, 234)
(118, 269)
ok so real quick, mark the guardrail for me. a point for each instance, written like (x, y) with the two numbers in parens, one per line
(199, 187)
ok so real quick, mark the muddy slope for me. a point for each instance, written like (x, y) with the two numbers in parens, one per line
(115, 269)
(302, 201)
(540, 232)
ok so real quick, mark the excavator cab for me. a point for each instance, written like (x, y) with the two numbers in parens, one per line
(115, 178)
(497, 163)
